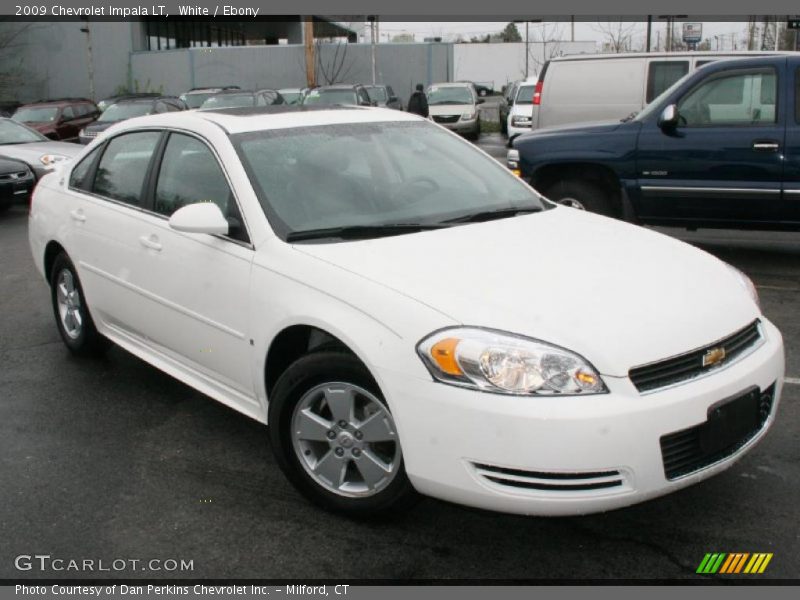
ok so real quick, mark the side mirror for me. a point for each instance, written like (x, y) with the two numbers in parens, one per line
(481, 100)
(669, 117)
(203, 217)
(392, 98)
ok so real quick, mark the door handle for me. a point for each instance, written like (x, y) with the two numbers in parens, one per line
(766, 146)
(151, 242)
(77, 215)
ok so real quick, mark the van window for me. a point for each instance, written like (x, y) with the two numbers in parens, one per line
(739, 98)
(525, 94)
(663, 74)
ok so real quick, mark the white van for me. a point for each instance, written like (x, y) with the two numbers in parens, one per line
(574, 89)
(520, 113)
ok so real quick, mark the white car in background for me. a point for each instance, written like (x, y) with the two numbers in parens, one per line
(407, 315)
(521, 115)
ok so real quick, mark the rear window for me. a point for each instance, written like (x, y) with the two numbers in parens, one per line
(663, 74)
(525, 94)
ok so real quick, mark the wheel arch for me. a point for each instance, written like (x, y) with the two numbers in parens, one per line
(548, 175)
(51, 251)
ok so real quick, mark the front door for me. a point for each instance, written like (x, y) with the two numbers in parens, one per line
(723, 163)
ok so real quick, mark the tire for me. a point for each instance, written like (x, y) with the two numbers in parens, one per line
(303, 390)
(504, 126)
(582, 195)
(73, 318)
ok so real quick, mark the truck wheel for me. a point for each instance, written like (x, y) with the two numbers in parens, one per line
(335, 439)
(582, 195)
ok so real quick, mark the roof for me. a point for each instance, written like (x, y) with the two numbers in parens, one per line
(282, 116)
(452, 84)
(682, 54)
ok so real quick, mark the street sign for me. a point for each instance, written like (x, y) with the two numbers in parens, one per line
(692, 32)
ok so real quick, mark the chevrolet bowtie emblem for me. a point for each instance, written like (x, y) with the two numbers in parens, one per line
(713, 357)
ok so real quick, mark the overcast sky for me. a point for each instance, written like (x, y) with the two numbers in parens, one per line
(583, 31)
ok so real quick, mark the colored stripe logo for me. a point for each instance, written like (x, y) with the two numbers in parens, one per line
(734, 563)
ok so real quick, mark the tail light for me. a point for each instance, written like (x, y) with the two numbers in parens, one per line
(537, 93)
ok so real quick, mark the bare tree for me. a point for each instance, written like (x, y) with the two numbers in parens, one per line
(545, 36)
(332, 63)
(618, 35)
(13, 37)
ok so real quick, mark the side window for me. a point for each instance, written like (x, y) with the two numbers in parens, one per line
(79, 178)
(81, 110)
(389, 92)
(172, 107)
(67, 114)
(740, 98)
(663, 74)
(270, 98)
(161, 107)
(123, 167)
(189, 174)
(363, 96)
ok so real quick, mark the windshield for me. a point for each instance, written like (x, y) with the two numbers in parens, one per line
(230, 101)
(658, 100)
(14, 133)
(196, 100)
(377, 93)
(525, 94)
(125, 110)
(330, 97)
(291, 97)
(449, 95)
(36, 115)
(374, 174)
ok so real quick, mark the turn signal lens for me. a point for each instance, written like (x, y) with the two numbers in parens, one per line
(444, 354)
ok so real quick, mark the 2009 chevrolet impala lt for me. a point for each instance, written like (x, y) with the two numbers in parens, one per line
(405, 314)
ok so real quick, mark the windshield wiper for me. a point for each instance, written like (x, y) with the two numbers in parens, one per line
(359, 232)
(490, 215)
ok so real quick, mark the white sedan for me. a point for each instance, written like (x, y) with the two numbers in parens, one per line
(407, 315)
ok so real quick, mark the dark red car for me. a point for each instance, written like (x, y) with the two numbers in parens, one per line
(59, 119)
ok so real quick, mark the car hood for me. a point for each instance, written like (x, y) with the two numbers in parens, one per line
(31, 153)
(39, 125)
(617, 294)
(450, 109)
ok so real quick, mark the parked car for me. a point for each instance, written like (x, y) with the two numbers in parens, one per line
(520, 115)
(455, 106)
(41, 154)
(594, 87)
(106, 102)
(243, 98)
(505, 104)
(16, 183)
(195, 97)
(7, 107)
(344, 94)
(720, 148)
(384, 96)
(292, 95)
(481, 89)
(127, 109)
(289, 262)
(59, 119)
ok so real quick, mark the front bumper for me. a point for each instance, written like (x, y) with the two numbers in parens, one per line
(451, 435)
(514, 131)
(17, 190)
(460, 126)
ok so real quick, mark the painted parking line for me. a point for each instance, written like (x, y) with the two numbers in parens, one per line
(792, 380)
(778, 287)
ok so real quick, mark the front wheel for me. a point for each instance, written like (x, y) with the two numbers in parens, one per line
(335, 439)
(583, 195)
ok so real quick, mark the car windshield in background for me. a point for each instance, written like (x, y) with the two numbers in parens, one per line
(292, 97)
(36, 115)
(230, 101)
(525, 94)
(14, 133)
(377, 93)
(196, 100)
(449, 95)
(375, 175)
(330, 97)
(122, 111)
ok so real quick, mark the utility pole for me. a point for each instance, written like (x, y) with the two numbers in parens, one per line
(89, 58)
(572, 29)
(649, 31)
(308, 40)
(526, 50)
(373, 31)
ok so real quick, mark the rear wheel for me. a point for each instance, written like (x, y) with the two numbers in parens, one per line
(72, 315)
(583, 195)
(335, 439)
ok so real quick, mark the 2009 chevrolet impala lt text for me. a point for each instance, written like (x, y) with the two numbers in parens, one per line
(406, 315)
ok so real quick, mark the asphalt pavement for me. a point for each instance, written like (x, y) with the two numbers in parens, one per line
(111, 459)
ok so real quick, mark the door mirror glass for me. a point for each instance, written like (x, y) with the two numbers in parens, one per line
(669, 117)
(203, 217)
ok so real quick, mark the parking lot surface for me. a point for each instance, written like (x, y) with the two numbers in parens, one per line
(110, 458)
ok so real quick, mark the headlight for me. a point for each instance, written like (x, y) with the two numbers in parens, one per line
(467, 116)
(493, 361)
(49, 160)
(747, 284)
(519, 121)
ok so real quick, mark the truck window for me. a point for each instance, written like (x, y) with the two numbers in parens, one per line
(662, 74)
(739, 98)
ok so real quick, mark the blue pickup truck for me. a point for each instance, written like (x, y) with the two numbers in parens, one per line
(720, 148)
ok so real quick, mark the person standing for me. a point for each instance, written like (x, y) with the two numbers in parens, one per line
(418, 102)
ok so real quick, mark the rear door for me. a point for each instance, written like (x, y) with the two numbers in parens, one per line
(791, 184)
(724, 163)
